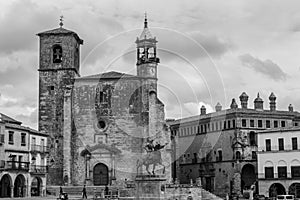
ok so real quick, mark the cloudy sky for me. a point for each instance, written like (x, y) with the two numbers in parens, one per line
(211, 51)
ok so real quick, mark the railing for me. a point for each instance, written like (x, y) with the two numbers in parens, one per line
(39, 148)
(288, 176)
(276, 148)
(16, 165)
(38, 169)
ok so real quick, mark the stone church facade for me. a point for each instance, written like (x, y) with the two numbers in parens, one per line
(98, 125)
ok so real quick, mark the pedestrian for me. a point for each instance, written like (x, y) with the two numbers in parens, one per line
(106, 190)
(84, 193)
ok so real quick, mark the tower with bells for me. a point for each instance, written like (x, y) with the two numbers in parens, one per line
(147, 62)
(58, 68)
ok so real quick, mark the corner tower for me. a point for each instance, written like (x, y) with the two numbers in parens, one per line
(58, 66)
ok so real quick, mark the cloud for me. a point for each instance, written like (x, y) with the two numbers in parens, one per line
(267, 67)
(29, 119)
(21, 21)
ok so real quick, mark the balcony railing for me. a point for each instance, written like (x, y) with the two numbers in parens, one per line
(14, 165)
(276, 148)
(39, 148)
(288, 176)
(38, 169)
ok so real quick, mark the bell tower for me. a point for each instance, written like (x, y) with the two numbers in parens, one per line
(147, 59)
(58, 67)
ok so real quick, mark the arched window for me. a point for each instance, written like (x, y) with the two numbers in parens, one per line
(238, 155)
(57, 53)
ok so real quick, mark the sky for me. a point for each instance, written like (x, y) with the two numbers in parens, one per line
(210, 50)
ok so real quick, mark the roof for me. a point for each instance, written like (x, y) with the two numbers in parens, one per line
(61, 31)
(8, 119)
(145, 34)
(109, 75)
(239, 111)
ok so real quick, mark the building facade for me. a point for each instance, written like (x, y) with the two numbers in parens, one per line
(220, 148)
(279, 162)
(98, 125)
(18, 175)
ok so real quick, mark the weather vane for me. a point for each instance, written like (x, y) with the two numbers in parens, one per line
(61, 21)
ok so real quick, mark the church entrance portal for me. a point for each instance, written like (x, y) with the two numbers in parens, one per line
(5, 186)
(19, 186)
(100, 174)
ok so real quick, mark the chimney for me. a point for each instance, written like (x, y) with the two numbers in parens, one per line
(218, 107)
(203, 110)
(291, 109)
(258, 103)
(244, 100)
(272, 99)
(233, 104)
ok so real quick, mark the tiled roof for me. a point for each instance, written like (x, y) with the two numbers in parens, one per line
(108, 75)
(61, 30)
(8, 119)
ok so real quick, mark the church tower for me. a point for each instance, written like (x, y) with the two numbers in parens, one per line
(58, 66)
(147, 62)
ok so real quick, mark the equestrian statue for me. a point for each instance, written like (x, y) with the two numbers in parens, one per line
(153, 157)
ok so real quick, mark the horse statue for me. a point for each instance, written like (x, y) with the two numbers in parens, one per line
(153, 157)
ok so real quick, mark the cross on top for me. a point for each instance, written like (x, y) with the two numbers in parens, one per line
(61, 21)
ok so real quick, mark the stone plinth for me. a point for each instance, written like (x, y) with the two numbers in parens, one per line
(149, 187)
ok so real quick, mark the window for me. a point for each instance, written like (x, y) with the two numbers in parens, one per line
(212, 127)
(259, 123)
(229, 124)
(233, 123)
(268, 144)
(205, 128)
(268, 124)
(295, 171)
(244, 123)
(251, 123)
(269, 172)
(280, 144)
(252, 138)
(275, 124)
(10, 137)
(57, 54)
(282, 123)
(220, 156)
(23, 139)
(254, 156)
(282, 172)
(201, 128)
(238, 155)
(294, 143)
(224, 127)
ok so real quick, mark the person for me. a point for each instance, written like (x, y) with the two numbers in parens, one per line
(84, 193)
(60, 190)
(106, 190)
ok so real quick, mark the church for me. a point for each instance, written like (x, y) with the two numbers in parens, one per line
(99, 125)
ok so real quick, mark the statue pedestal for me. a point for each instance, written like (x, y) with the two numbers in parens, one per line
(149, 186)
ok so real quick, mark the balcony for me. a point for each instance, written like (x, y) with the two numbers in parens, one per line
(39, 149)
(275, 148)
(275, 177)
(38, 169)
(14, 165)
